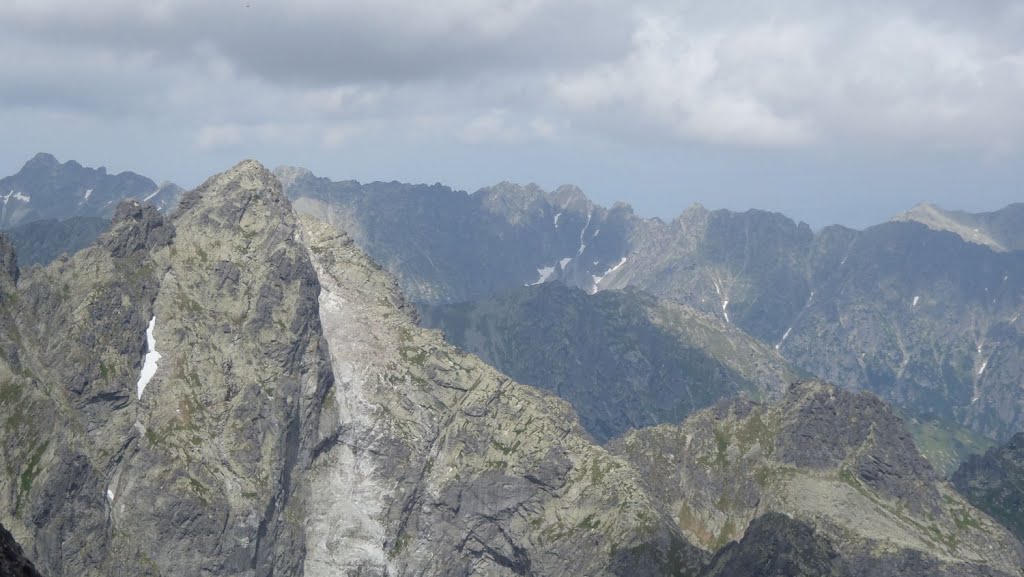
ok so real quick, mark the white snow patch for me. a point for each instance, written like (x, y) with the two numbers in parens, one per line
(725, 305)
(596, 232)
(982, 369)
(785, 335)
(155, 192)
(88, 193)
(110, 494)
(564, 262)
(597, 279)
(545, 274)
(556, 219)
(583, 245)
(842, 262)
(7, 197)
(974, 400)
(916, 298)
(22, 197)
(1014, 319)
(149, 363)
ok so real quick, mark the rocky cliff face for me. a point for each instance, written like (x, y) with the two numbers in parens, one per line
(230, 391)
(623, 359)
(192, 471)
(838, 461)
(994, 483)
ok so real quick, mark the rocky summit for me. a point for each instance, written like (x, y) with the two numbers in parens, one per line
(236, 390)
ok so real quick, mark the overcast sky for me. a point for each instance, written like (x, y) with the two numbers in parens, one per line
(832, 112)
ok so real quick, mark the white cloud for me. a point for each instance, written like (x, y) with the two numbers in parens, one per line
(786, 74)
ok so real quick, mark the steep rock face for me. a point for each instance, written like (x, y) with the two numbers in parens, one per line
(623, 359)
(13, 562)
(836, 460)
(192, 474)
(994, 483)
(47, 189)
(446, 467)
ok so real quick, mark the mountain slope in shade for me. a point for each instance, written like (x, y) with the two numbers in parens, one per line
(994, 483)
(837, 460)
(44, 189)
(41, 241)
(999, 230)
(624, 360)
(775, 545)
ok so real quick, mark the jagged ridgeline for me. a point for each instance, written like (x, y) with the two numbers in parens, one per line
(235, 390)
(924, 311)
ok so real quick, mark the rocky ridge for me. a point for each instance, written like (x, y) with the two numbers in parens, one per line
(838, 461)
(923, 318)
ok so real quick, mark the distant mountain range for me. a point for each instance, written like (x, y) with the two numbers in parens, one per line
(925, 310)
(47, 189)
(922, 317)
(237, 389)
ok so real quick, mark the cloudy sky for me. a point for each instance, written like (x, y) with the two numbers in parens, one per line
(842, 112)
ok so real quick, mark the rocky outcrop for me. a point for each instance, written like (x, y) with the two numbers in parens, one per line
(835, 460)
(994, 483)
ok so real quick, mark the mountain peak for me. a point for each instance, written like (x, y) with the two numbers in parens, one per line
(42, 160)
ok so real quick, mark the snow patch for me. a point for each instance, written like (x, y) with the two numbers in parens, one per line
(725, 305)
(149, 363)
(785, 335)
(597, 279)
(21, 197)
(545, 274)
(88, 193)
(556, 219)
(110, 494)
(564, 262)
(155, 192)
(583, 232)
(916, 298)
(984, 364)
